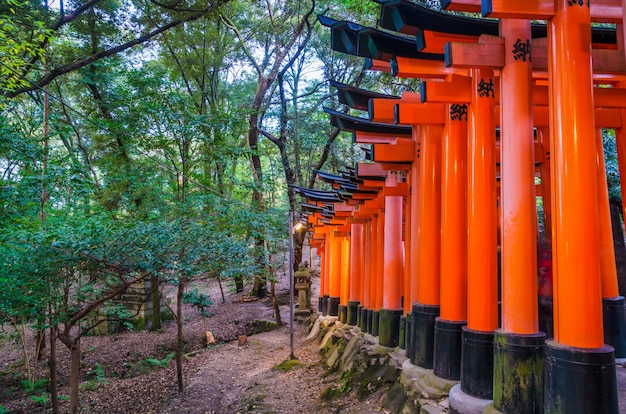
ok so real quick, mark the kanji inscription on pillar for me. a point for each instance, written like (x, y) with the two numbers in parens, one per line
(486, 88)
(580, 3)
(521, 50)
(458, 112)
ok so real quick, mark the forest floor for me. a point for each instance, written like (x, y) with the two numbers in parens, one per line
(127, 372)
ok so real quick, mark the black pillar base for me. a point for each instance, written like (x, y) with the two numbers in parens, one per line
(580, 380)
(351, 317)
(375, 319)
(518, 372)
(402, 333)
(343, 313)
(448, 344)
(359, 316)
(408, 345)
(477, 364)
(333, 306)
(368, 321)
(423, 334)
(614, 316)
(324, 309)
(389, 327)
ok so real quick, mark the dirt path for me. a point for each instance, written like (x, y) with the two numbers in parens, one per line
(241, 379)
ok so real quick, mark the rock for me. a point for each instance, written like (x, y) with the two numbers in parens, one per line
(243, 340)
(315, 331)
(350, 354)
(394, 399)
(210, 339)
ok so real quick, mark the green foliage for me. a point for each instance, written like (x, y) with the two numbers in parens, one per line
(198, 300)
(41, 399)
(34, 387)
(161, 363)
(611, 164)
(23, 36)
(287, 365)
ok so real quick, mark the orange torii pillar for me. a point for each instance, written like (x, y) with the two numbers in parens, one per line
(356, 269)
(482, 267)
(406, 274)
(379, 272)
(579, 374)
(371, 285)
(426, 119)
(453, 314)
(413, 256)
(321, 252)
(518, 345)
(334, 283)
(448, 326)
(328, 257)
(426, 307)
(345, 277)
(613, 304)
(393, 255)
(367, 264)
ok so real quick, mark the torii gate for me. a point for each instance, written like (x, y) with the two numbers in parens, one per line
(387, 313)
(527, 100)
(575, 177)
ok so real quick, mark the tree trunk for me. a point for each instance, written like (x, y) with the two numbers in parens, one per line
(40, 344)
(52, 364)
(156, 303)
(219, 282)
(74, 375)
(279, 321)
(238, 284)
(179, 342)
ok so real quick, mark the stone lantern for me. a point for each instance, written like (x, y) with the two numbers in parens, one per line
(302, 285)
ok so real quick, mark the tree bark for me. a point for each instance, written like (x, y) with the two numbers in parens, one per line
(179, 333)
(52, 364)
(74, 375)
(277, 317)
(156, 303)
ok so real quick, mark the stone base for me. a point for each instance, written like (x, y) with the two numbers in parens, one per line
(407, 336)
(461, 403)
(359, 316)
(518, 372)
(324, 309)
(614, 321)
(448, 344)
(368, 321)
(352, 312)
(580, 380)
(333, 306)
(423, 383)
(477, 364)
(402, 333)
(343, 313)
(389, 327)
(423, 334)
(375, 321)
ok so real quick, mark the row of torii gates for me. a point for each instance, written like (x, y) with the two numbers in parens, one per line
(432, 246)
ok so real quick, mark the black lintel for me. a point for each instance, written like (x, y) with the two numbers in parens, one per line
(343, 34)
(331, 178)
(379, 45)
(311, 207)
(357, 98)
(352, 124)
(407, 17)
